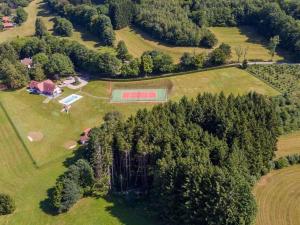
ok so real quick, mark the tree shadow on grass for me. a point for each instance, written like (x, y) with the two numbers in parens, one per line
(46, 205)
(131, 214)
(254, 37)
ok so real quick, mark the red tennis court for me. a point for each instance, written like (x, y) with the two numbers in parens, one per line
(139, 95)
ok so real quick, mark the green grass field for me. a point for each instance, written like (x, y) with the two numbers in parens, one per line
(245, 36)
(278, 195)
(138, 42)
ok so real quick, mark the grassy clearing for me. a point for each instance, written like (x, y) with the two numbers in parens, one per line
(27, 28)
(289, 144)
(138, 42)
(278, 195)
(245, 36)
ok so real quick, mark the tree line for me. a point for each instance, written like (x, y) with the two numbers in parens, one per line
(55, 58)
(194, 161)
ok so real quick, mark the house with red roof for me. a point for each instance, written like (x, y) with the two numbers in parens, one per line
(46, 87)
(7, 23)
(6, 19)
(27, 62)
(85, 136)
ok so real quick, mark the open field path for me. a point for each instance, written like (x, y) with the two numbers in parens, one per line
(27, 28)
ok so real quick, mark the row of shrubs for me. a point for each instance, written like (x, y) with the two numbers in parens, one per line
(285, 161)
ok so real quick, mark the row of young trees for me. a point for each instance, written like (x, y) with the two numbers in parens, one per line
(195, 160)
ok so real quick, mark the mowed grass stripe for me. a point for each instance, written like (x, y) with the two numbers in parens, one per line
(14, 161)
(278, 196)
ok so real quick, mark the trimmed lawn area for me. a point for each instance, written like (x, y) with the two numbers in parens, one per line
(28, 185)
(245, 36)
(278, 195)
(289, 144)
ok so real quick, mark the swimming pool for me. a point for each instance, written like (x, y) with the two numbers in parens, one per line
(70, 99)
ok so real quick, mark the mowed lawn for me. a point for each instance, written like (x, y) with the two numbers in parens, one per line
(28, 185)
(278, 196)
(289, 144)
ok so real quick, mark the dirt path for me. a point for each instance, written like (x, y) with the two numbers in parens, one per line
(27, 28)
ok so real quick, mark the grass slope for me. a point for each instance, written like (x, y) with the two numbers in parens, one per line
(138, 42)
(289, 144)
(245, 36)
(27, 28)
(278, 195)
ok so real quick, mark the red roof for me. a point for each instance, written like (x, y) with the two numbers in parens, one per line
(84, 139)
(8, 25)
(87, 131)
(46, 86)
(26, 61)
(5, 19)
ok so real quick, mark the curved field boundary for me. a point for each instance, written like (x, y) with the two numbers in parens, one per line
(278, 195)
(18, 135)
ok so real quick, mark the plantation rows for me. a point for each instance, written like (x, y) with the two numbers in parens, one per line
(284, 77)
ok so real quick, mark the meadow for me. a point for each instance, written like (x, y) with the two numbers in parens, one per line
(28, 184)
(246, 37)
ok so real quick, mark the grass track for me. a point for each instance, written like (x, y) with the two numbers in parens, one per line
(278, 196)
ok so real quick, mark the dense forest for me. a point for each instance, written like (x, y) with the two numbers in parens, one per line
(185, 22)
(195, 160)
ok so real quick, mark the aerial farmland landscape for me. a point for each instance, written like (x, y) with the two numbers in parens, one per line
(173, 112)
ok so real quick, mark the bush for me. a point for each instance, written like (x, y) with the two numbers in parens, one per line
(63, 27)
(281, 163)
(293, 159)
(7, 204)
(21, 16)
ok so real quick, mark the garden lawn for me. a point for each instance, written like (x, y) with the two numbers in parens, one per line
(278, 195)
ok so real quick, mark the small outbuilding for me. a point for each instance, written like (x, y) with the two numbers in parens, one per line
(27, 62)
